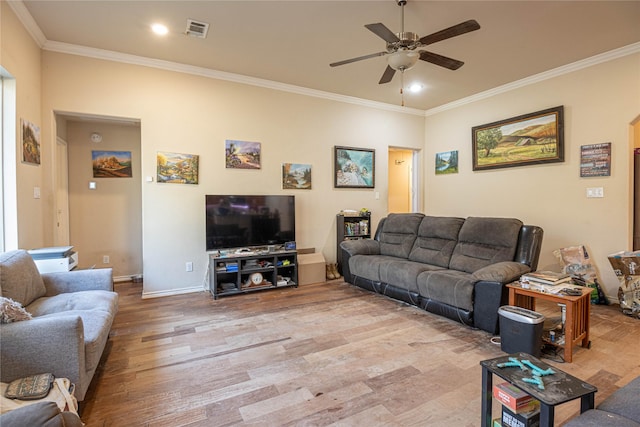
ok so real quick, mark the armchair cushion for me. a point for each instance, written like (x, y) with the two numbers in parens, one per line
(20, 279)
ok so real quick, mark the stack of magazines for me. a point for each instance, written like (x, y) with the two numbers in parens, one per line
(547, 278)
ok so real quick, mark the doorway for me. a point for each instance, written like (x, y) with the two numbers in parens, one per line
(403, 180)
(635, 130)
(104, 208)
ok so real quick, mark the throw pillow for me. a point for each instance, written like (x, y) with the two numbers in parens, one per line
(12, 311)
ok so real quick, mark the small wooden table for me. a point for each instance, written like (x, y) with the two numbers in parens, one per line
(578, 312)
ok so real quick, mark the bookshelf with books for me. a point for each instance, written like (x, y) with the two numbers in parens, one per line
(351, 226)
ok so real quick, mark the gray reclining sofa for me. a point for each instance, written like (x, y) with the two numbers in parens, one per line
(453, 267)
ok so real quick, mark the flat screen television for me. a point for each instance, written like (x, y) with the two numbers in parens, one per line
(249, 221)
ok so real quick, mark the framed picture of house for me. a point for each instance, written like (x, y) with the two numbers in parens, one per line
(354, 167)
(177, 168)
(30, 137)
(111, 164)
(529, 139)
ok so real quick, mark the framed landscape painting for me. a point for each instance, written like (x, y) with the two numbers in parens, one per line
(447, 162)
(111, 164)
(528, 139)
(177, 168)
(296, 176)
(354, 167)
(242, 154)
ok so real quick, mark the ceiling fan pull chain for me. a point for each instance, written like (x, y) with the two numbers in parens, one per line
(402, 87)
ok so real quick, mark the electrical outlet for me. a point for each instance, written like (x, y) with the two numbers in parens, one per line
(105, 259)
(189, 266)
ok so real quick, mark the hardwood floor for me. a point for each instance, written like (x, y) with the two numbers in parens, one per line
(317, 355)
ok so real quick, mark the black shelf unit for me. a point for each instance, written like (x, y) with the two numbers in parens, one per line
(351, 228)
(225, 280)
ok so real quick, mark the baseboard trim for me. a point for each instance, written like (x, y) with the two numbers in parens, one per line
(170, 292)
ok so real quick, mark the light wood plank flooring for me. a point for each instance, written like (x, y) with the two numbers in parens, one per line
(328, 354)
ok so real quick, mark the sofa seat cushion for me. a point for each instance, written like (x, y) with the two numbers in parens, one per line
(624, 401)
(436, 240)
(368, 266)
(20, 279)
(485, 241)
(105, 301)
(451, 287)
(398, 234)
(598, 418)
(404, 274)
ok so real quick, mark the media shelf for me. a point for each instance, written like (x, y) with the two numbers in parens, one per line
(242, 273)
(351, 227)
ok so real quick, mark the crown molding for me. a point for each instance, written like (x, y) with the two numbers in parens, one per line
(27, 20)
(108, 55)
(546, 75)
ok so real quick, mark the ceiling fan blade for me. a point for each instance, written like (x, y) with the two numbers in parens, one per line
(443, 61)
(387, 75)
(447, 33)
(383, 32)
(359, 58)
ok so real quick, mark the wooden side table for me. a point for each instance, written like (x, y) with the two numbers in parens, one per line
(578, 313)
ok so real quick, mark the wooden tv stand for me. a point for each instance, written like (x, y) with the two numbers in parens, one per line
(239, 273)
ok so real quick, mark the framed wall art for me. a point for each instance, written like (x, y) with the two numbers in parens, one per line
(354, 167)
(242, 154)
(296, 176)
(177, 168)
(447, 162)
(30, 138)
(529, 139)
(595, 160)
(111, 164)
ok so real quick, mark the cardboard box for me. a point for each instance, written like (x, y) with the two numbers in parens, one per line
(514, 399)
(311, 268)
(527, 419)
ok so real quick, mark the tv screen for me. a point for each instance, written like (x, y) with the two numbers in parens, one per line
(243, 221)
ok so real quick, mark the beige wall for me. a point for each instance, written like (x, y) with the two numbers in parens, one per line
(107, 220)
(600, 102)
(21, 57)
(195, 115)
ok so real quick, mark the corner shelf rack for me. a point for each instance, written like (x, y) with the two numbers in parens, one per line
(233, 274)
(351, 227)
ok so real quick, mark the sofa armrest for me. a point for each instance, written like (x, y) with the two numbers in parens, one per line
(501, 272)
(361, 247)
(80, 280)
(44, 344)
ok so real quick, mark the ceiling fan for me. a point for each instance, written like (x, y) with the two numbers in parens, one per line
(402, 47)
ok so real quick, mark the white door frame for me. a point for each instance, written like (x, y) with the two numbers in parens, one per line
(62, 193)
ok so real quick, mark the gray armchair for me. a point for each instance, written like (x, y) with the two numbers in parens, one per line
(72, 316)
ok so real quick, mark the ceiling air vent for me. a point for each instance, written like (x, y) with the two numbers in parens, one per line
(197, 29)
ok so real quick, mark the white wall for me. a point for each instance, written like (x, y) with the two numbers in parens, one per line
(195, 115)
(599, 102)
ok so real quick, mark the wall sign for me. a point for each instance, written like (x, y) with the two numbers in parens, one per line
(595, 160)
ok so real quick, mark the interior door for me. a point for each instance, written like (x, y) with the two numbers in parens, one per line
(62, 193)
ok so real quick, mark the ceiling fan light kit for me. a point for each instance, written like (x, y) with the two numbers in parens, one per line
(402, 50)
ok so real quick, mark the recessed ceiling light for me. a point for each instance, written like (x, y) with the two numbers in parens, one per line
(415, 87)
(160, 29)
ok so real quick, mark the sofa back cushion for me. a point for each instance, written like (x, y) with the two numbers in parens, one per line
(398, 234)
(484, 241)
(20, 279)
(436, 240)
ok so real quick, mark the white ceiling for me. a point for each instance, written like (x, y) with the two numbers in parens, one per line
(293, 42)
